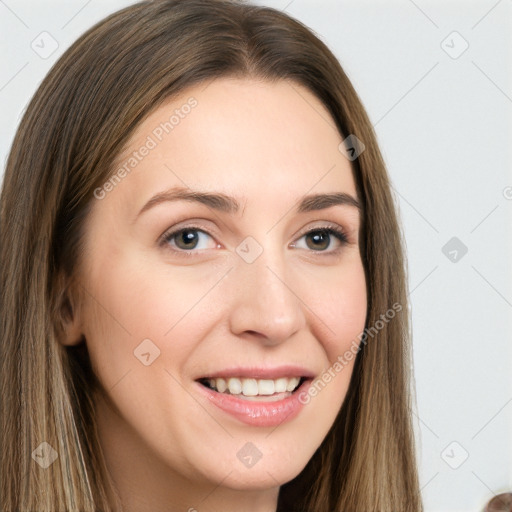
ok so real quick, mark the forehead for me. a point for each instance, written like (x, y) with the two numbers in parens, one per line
(241, 136)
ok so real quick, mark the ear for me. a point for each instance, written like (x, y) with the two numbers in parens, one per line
(68, 311)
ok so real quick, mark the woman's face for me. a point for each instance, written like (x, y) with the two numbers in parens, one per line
(198, 266)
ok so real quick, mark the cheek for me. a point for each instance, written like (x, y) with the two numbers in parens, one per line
(341, 307)
(345, 308)
(132, 312)
(342, 304)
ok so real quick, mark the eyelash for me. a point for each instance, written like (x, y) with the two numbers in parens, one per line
(328, 229)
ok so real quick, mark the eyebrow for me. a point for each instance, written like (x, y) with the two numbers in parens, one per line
(228, 204)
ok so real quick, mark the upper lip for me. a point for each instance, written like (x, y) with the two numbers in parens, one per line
(259, 372)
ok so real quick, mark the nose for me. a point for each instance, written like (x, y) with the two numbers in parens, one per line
(266, 306)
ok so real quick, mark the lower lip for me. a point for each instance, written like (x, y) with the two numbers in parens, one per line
(259, 414)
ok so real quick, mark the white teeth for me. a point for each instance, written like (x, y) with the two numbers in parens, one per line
(280, 385)
(220, 384)
(234, 386)
(266, 387)
(292, 383)
(249, 387)
(254, 387)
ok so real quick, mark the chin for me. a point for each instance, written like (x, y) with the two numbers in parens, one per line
(260, 479)
(265, 473)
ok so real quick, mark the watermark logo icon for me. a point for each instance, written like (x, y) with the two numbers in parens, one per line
(249, 250)
(44, 455)
(454, 45)
(249, 455)
(44, 45)
(454, 249)
(146, 352)
(351, 147)
(454, 455)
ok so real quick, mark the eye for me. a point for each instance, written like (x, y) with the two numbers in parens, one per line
(187, 239)
(323, 238)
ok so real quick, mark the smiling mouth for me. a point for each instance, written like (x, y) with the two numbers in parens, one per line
(254, 389)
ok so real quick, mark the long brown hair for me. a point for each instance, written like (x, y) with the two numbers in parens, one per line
(79, 120)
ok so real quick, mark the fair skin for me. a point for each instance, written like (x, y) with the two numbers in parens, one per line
(301, 302)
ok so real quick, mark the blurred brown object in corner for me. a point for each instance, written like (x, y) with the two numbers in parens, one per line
(500, 503)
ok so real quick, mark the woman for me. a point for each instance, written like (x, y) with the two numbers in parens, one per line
(203, 292)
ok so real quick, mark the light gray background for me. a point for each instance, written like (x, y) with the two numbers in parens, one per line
(444, 125)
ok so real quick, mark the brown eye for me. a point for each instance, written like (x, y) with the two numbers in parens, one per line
(187, 239)
(318, 240)
(322, 239)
